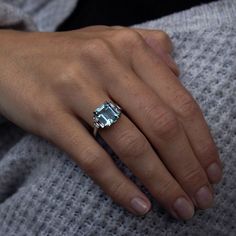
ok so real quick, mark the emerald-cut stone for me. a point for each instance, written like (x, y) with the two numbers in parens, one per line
(106, 114)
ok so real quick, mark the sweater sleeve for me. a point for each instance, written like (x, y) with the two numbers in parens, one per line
(13, 17)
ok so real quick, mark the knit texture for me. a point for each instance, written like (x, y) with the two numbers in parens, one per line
(40, 15)
(43, 192)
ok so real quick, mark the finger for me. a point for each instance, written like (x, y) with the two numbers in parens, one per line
(164, 56)
(160, 36)
(68, 133)
(135, 151)
(161, 127)
(160, 43)
(172, 92)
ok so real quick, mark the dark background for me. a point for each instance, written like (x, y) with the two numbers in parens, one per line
(123, 12)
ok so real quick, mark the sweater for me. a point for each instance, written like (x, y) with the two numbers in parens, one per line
(43, 192)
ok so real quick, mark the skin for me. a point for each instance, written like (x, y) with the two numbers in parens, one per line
(50, 83)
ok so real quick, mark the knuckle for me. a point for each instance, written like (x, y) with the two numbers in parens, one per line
(149, 172)
(129, 38)
(188, 107)
(208, 152)
(165, 124)
(194, 177)
(67, 77)
(167, 190)
(70, 80)
(118, 190)
(134, 144)
(92, 161)
(96, 44)
(95, 50)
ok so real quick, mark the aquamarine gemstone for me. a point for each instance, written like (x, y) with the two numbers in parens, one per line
(107, 114)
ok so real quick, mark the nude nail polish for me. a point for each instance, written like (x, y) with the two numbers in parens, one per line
(214, 173)
(139, 205)
(183, 208)
(204, 198)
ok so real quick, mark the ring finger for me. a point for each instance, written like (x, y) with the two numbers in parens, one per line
(132, 147)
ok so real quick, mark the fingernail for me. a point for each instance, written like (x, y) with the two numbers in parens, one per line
(204, 198)
(183, 208)
(214, 173)
(139, 205)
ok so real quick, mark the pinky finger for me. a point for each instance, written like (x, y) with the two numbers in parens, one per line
(68, 133)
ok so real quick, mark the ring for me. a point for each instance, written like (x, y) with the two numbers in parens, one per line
(105, 115)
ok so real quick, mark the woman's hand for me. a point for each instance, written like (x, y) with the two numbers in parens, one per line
(50, 84)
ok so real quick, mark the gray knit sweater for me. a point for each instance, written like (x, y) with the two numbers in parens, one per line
(43, 192)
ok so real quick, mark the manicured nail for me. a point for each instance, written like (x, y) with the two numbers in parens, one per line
(204, 198)
(139, 205)
(183, 208)
(214, 173)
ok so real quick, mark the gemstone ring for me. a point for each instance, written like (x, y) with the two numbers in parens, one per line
(105, 115)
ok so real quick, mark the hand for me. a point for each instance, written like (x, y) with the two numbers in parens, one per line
(51, 83)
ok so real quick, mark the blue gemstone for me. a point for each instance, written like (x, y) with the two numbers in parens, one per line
(107, 114)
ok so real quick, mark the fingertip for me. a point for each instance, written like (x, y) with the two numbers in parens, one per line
(140, 205)
(214, 172)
